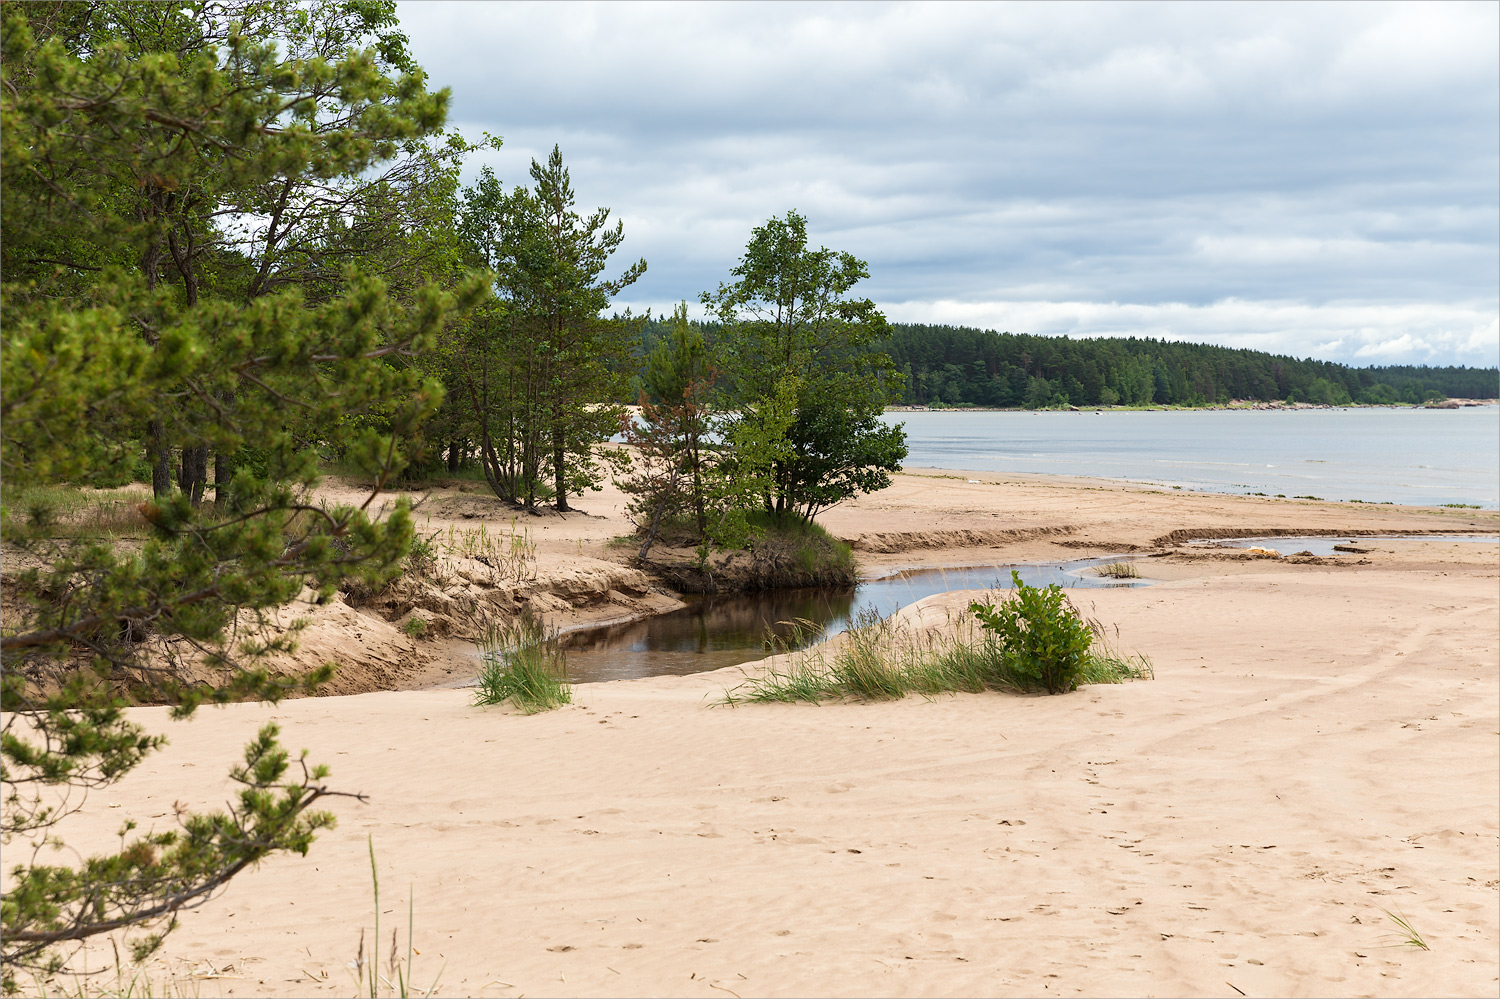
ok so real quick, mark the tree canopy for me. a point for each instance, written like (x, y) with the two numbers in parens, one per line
(804, 371)
(542, 364)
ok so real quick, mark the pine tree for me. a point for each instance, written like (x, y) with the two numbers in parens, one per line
(116, 160)
(547, 365)
(675, 461)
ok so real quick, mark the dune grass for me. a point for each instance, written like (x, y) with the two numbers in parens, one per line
(1409, 936)
(396, 980)
(1118, 570)
(879, 659)
(523, 665)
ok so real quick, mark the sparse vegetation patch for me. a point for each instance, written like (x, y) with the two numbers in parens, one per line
(523, 665)
(1118, 570)
(1034, 640)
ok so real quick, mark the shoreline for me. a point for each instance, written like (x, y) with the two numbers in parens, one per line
(579, 578)
(1234, 405)
(978, 517)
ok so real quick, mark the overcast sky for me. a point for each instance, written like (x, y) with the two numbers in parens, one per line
(1316, 180)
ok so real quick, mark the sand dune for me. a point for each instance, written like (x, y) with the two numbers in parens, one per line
(1319, 746)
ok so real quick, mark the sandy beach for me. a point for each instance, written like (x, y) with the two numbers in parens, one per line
(1318, 750)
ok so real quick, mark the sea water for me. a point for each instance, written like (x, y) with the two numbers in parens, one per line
(1423, 457)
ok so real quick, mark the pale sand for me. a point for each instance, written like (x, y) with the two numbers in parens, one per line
(1319, 745)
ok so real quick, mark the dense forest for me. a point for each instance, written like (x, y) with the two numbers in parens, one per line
(962, 366)
(957, 365)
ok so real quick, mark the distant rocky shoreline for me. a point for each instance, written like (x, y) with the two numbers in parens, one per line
(1237, 404)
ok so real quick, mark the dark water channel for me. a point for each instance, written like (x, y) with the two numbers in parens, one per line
(714, 632)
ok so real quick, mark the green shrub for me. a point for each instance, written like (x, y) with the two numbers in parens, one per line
(1042, 640)
(415, 627)
(523, 665)
(877, 660)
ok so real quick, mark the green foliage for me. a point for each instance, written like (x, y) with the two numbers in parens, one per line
(953, 365)
(805, 373)
(137, 312)
(539, 364)
(523, 665)
(878, 660)
(1042, 640)
(792, 552)
(152, 877)
(677, 466)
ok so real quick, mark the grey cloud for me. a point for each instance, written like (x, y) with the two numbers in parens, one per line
(1320, 155)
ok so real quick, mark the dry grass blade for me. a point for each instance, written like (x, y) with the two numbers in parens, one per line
(1411, 937)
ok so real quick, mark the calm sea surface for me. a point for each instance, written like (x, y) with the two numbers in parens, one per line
(1408, 456)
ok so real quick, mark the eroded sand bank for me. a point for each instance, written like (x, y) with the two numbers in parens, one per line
(1319, 746)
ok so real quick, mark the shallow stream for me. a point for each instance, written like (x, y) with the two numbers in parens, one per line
(714, 632)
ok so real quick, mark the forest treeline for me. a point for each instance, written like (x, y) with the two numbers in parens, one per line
(963, 366)
(957, 365)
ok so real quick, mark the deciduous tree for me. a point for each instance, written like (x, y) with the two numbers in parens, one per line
(793, 327)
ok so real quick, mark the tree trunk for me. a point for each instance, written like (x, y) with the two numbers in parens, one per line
(559, 462)
(194, 472)
(455, 457)
(223, 472)
(661, 506)
(695, 459)
(161, 460)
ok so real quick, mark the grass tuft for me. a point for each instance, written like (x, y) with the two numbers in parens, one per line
(1411, 937)
(397, 978)
(69, 512)
(524, 665)
(1118, 570)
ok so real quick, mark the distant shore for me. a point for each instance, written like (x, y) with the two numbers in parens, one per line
(1237, 404)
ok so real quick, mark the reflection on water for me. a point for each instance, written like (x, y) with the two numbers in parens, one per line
(719, 631)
